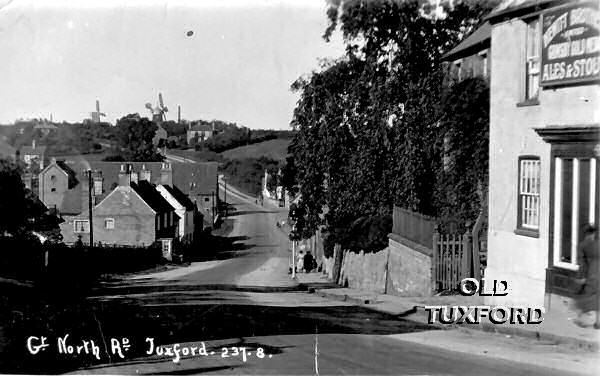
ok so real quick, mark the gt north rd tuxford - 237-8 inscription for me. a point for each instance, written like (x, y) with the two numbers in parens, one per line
(571, 45)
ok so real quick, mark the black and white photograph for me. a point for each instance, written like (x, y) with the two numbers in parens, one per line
(300, 187)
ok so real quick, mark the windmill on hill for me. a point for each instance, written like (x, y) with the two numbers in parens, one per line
(158, 112)
(95, 116)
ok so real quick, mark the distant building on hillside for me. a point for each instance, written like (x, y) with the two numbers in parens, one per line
(33, 155)
(201, 132)
(45, 127)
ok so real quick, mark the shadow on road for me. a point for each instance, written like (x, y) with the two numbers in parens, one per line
(174, 317)
(247, 212)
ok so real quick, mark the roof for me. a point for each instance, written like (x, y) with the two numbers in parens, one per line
(477, 41)
(181, 197)
(201, 127)
(151, 196)
(72, 202)
(30, 150)
(70, 173)
(191, 179)
(514, 8)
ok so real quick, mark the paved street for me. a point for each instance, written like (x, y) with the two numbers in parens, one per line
(245, 302)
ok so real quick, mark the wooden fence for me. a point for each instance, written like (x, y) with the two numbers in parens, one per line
(459, 255)
(452, 260)
(413, 226)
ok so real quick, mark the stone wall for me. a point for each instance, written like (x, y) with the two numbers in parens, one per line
(402, 269)
(409, 268)
(365, 271)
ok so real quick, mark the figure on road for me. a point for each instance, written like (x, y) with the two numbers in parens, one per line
(300, 261)
(309, 261)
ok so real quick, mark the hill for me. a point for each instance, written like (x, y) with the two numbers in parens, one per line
(273, 149)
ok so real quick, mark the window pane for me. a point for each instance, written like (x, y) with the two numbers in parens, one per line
(566, 210)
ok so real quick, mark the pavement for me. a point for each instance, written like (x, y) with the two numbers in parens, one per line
(556, 328)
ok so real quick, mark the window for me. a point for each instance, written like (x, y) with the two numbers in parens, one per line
(206, 199)
(575, 205)
(164, 220)
(528, 217)
(484, 63)
(109, 223)
(81, 226)
(532, 63)
(52, 189)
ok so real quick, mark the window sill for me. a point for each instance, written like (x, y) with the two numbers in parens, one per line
(527, 232)
(529, 102)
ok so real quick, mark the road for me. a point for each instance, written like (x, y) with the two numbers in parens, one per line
(244, 302)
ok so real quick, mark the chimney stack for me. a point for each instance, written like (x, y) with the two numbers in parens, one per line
(145, 174)
(124, 176)
(166, 174)
(33, 144)
(133, 176)
(98, 183)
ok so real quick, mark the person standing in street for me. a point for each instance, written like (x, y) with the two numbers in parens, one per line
(588, 298)
(308, 262)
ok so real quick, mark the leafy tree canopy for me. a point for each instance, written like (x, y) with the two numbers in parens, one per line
(134, 139)
(369, 123)
(20, 210)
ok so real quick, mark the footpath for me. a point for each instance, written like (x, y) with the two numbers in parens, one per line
(556, 328)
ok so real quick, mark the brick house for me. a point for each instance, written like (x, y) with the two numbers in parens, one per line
(54, 181)
(544, 147)
(133, 214)
(68, 190)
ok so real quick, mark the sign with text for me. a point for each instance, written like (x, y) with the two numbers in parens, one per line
(571, 45)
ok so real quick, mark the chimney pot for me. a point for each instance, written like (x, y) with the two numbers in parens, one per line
(166, 174)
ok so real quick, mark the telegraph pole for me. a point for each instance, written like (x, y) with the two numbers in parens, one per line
(90, 206)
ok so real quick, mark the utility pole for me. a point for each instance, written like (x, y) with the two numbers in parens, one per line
(90, 206)
(294, 253)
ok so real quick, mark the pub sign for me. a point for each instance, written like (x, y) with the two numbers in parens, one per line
(570, 45)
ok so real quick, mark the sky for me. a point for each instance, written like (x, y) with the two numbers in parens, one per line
(59, 56)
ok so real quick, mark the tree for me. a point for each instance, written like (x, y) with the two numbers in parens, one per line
(368, 124)
(20, 210)
(134, 139)
(465, 125)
